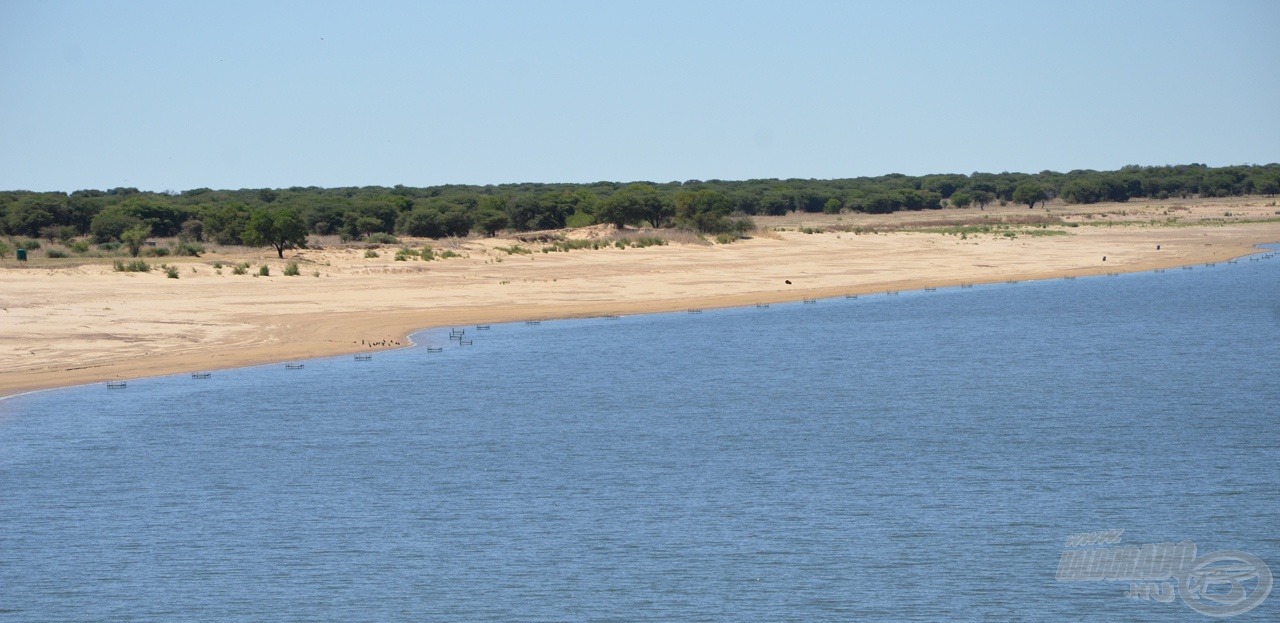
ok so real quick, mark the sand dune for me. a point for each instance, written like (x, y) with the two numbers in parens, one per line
(71, 323)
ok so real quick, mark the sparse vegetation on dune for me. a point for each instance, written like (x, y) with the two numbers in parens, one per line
(571, 245)
(135, 266)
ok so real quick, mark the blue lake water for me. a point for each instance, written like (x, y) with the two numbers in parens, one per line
(918, 457)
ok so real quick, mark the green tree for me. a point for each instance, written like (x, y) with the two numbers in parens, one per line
(704, 210)
(633, 203)
(32, 213)
(158, 212)
(456, 221)
(282, 229)
(365, 225)
(1267, 185)
(437, 219)
(1029, 193)
(135, 237)
(110, 223)
(944, 185)
(423, 222)
(881, 203)
(776, 202)
(223, 223)
(961, 199)
(81, 209)
(491, 221)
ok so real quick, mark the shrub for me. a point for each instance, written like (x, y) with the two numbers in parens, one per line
(135, 266)
(647, 241)
(61, 233)
(134, 237)
(639, 242)
(193, 249)
(514, 249)
(427, 254)
(579, 219)
(29, 244)
(109, 246)
(726, 238)
(382, 238)
(264, 271)
(80, 246)
(111, 223)
(5, 250)
(217, 264)
(240, 269)
(55, 253)
(569, 245)
(291, 269)
(446, 254)
(371, 253)
(192, 231)
(171, 272)
(155, 252)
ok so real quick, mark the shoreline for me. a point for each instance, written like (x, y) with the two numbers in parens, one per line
(318, 328)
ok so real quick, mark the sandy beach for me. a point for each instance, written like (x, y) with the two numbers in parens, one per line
(66, 322)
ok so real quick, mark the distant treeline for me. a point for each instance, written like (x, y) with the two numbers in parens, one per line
(711, 206)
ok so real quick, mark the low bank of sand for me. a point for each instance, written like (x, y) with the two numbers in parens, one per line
(78, 322)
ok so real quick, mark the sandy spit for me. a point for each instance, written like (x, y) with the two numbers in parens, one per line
(75, 323)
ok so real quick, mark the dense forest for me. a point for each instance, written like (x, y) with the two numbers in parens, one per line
(280, 216)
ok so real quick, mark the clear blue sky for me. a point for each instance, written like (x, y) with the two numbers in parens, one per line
(178, 95)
